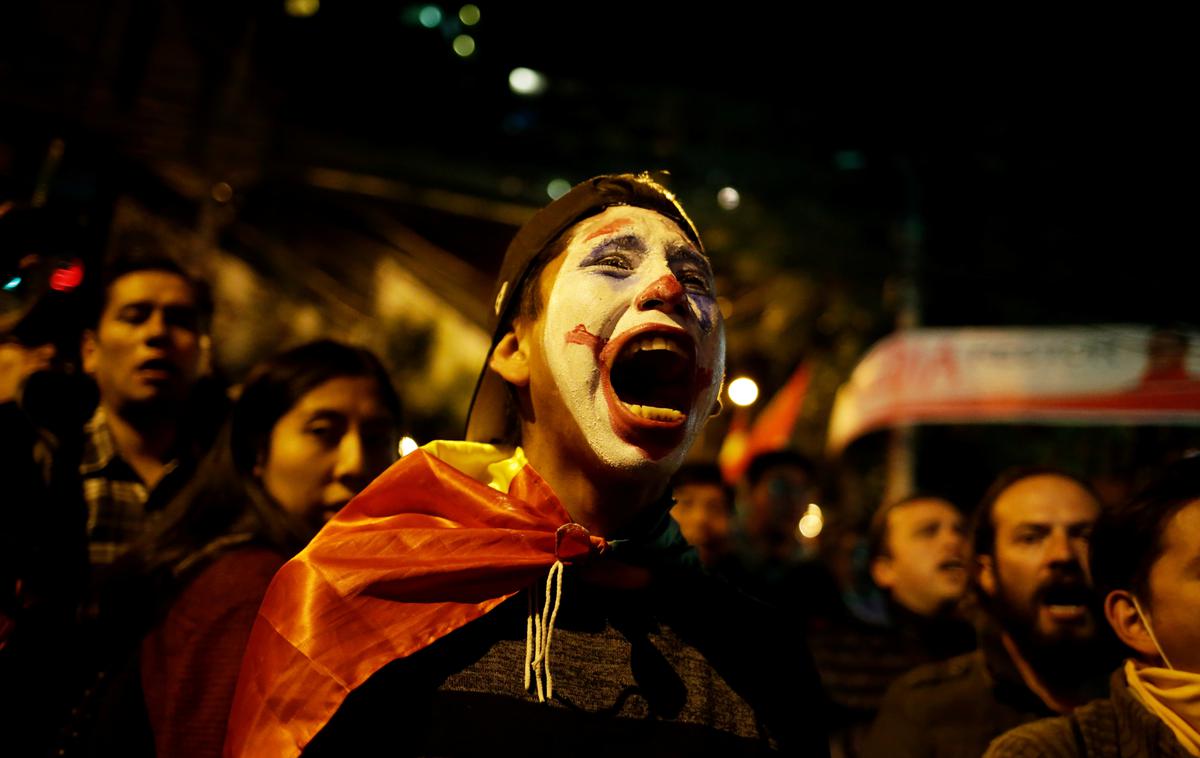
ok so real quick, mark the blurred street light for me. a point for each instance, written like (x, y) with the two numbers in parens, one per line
(557, 188)
(812, 522)
(526, 81)
(469, 15)
(729, 198)
(743, 391)
(430, 16)
(301, 8)
(464, 45)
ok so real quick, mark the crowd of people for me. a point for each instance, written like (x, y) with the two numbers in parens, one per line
(195, 572)
(1019, 628)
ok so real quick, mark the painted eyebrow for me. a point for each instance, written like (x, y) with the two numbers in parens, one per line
(689, 255)
(627, 243)
(620, 223)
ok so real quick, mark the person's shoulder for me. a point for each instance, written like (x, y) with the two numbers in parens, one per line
(959, 671)
(243, 573)
(928, 705)
(247, 560)
(931, 691)
(1054, 737)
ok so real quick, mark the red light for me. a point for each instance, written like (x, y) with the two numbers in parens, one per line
(68, 277)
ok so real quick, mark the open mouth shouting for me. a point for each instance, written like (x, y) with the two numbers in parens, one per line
(156, 370)
(652, 385)
(649, 377)
(1065, 602)
(649, 380)
(953, 567)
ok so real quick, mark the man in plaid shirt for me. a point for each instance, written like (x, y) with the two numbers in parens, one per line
(144, 351)
(144, 347)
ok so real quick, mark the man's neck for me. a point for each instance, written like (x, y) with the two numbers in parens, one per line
(144, 442)
(1055, 697)
(603, 501)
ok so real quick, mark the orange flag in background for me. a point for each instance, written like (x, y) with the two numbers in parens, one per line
(772, 430)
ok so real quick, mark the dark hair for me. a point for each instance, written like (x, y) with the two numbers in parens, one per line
(527, 304)
(983, 526)
(703, 473)
(528, 295)
(142, 252)
(224, 496)
(763, 462)
(1127, 539)
(877, 528)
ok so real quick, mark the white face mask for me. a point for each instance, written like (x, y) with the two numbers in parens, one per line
(1149, 630)
(632, 284)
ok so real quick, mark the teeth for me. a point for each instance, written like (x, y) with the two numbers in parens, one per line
(656, 343)
(654, 413)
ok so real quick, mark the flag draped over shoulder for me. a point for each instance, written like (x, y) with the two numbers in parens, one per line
(444, 536)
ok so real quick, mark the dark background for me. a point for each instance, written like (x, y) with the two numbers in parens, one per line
(998, 168)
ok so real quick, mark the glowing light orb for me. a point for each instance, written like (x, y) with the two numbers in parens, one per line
(430, 16)
(469, 15)
(407, 445)
(729, 198)
(743, 391)
(557, 188)
(526, 81)
(68, 277)
(812, 522)
(301, 8)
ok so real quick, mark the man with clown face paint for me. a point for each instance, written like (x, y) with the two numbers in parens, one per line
(527, 590)
(622, 366)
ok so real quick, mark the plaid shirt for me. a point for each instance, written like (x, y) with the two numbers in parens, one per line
(119, 505)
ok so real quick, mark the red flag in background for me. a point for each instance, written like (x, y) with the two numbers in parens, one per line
(732, 458)
(772, 430)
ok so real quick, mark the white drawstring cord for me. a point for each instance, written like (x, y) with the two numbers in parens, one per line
(539, 629)
(530, 621)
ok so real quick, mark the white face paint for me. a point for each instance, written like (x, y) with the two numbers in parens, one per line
(633, 338)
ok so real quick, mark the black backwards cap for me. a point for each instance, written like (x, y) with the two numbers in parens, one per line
(487, 419)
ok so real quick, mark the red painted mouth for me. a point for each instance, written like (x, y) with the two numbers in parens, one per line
(649, 376)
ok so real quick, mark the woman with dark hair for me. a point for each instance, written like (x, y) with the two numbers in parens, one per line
(311, 428)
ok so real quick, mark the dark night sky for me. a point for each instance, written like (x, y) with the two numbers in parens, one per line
(1042, 158)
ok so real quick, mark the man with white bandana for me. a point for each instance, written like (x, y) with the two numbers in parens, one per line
(526, 591)
(1145, 557)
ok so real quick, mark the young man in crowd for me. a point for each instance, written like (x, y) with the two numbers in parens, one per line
(538, 599)
(1145, 558)
(918, 556)
(145, 350)
(84, 495)
(703, 509)
(1039, 652)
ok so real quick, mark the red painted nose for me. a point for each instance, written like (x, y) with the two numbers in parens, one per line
(664, 294)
